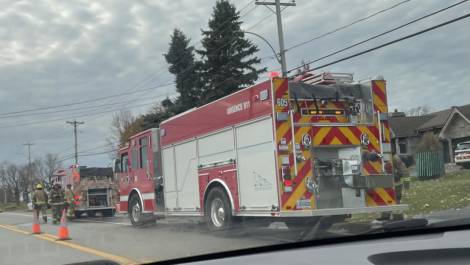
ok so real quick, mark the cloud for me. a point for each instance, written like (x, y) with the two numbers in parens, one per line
(58, 52)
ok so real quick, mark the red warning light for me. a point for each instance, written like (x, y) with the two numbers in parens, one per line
(274, 74)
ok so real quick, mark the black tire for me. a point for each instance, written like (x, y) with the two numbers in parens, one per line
(91, 213)
(135, 211)
(137, 217)
(218, 211)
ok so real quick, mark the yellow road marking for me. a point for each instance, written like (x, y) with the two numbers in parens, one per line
(54, 239)
(14, 229)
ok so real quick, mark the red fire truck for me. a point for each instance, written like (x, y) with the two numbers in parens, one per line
(283, 149)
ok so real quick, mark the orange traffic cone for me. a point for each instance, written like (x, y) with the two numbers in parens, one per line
(63, 232)
(36, 227)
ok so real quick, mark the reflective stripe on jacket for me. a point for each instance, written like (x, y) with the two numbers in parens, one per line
(39, 197)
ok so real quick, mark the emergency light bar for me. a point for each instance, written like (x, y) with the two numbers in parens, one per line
(334, 112)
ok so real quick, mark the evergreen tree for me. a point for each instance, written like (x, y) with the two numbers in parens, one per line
(228, 61)
(160, 112)
(180, 57)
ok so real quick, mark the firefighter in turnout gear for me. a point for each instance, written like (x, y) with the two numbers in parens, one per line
(70, 201)
(56, 200)
(399, 172)
(39, 200)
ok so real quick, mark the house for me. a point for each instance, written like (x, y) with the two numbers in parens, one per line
(452, 126)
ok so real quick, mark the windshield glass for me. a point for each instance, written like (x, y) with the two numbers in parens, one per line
(144, 131)
(463, 146)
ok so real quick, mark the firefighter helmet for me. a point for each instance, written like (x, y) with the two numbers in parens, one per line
(39, 186)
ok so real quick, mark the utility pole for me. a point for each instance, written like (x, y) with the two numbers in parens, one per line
(282, 50)
(30, 174)
(75, 125)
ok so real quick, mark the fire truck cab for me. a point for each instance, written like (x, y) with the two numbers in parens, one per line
(285, 149)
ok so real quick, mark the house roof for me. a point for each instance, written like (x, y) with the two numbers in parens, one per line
(465, 110)
(407, 126)
(440, 118)
(404, 126)
(437, 120)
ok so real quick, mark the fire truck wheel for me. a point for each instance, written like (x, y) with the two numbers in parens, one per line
(135, 211)
(218, 211)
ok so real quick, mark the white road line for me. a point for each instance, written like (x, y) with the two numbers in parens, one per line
(75, 220)
(17, 214)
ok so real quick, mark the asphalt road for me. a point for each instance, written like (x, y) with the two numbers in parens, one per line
(115, 239)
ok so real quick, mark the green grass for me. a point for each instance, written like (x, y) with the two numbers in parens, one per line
(449, 192)
(424, 197)
(13, 207)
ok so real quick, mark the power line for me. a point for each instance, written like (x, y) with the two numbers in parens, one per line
(162, 68)
(90, 154)
(123, 93)
(263, 19)
(388, 43)
(280, 31)
(220, 27)
(78, 115)
(65, 110)
(75, 124)
(259, 22)
(87, 101)
(347, 25)
(384, 33)
(87, 150)
(30, 174)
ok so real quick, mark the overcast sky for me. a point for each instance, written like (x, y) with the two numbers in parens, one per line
(60, 52)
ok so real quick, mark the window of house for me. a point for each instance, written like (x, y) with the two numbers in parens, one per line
(143, 151)
(402, 146)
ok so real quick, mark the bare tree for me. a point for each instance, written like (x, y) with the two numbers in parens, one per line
(12, 180)
(25, 180)
(123, 126)
(44, 168)
(418, 111)
(3, 184)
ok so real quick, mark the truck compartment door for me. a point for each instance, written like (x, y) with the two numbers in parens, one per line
(187, 178)
(169, 178)
(256, 165)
